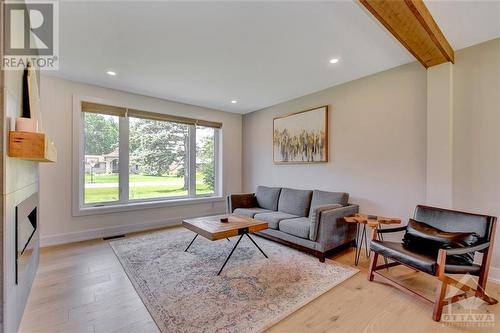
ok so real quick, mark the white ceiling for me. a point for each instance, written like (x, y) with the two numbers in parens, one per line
(466, 22)
(259, 53)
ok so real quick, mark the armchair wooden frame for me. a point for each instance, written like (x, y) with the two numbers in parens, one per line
(443, 280)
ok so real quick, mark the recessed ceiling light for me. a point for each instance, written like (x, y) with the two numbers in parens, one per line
(111, 73)
(334, 60)
(234, 101)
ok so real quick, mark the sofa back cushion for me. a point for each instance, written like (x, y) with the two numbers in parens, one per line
(320, 198)
(267, 197)
(296, 202)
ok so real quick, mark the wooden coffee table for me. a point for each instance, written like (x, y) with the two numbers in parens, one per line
(213, 229)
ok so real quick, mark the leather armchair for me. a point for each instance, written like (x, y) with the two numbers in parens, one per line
(440, 265)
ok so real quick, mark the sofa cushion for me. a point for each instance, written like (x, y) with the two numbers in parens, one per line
(299, 227)
(295, 202)
(267, 197)
(273, 219)
(316, 211)
(320, 198)
(250, 212)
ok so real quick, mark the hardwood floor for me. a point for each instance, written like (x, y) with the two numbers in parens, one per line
(82, 287)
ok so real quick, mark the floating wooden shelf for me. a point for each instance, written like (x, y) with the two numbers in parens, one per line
(32, 146)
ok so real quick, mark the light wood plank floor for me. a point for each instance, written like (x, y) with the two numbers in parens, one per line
(82, 287)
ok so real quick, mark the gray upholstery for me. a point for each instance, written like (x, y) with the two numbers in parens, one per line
(311, 219)
(273, 219)
(296, 202)
(299, 227)
(325, 198)
(267, 197)
(315, 217)
(250, 212)
(289, 238)
(334, 231)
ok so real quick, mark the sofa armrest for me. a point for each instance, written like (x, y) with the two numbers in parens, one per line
(333, 230)
(245, 200)
(315, 217)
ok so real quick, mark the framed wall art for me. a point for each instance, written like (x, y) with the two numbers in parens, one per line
(301, 137)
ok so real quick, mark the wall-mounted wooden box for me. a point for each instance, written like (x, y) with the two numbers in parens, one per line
(32, 146)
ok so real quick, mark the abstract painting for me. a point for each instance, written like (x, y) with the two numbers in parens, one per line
(301, 137)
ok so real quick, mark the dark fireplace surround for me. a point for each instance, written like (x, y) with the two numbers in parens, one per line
(26, 233)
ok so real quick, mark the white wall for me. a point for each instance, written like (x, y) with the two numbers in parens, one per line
(377, 143)
(477, 133)
(439, 172)
(379, 146)
(59, 226)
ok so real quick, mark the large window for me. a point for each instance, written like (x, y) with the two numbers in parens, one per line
(134, 156)
(159, 157)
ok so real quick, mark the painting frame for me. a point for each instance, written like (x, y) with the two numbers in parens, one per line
(325, 129)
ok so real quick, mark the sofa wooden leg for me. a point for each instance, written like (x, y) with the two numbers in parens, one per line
(321, 256)
(373, 264)
(438, 303)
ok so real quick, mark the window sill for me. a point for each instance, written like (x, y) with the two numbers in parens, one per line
(118, 208)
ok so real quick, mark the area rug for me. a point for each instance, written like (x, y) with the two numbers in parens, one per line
(183, 293)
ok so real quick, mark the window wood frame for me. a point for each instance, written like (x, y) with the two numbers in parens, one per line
(125, 203)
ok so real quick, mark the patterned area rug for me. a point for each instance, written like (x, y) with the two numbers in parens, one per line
(183, 294)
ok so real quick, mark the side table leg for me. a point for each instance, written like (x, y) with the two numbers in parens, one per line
(358, 246)
(366, 241)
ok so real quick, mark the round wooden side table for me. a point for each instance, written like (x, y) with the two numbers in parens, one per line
(372, 221)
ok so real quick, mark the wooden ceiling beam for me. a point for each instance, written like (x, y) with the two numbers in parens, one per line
(413, 26)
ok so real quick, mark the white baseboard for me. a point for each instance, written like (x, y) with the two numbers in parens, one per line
(494, 275)
(79, 236)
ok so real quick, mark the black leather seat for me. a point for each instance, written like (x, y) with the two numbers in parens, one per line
(397, 252)
(422, 262)
(432, 223)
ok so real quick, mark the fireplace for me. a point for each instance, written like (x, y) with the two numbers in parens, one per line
(26, 233)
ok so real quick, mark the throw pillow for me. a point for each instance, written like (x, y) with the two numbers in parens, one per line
(427, 239)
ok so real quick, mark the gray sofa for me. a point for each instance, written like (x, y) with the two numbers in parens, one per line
(306, 220)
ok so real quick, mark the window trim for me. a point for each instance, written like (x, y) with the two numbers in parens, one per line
(125, 204)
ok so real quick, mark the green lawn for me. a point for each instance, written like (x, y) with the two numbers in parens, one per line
(113, 178)
(167, 186)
